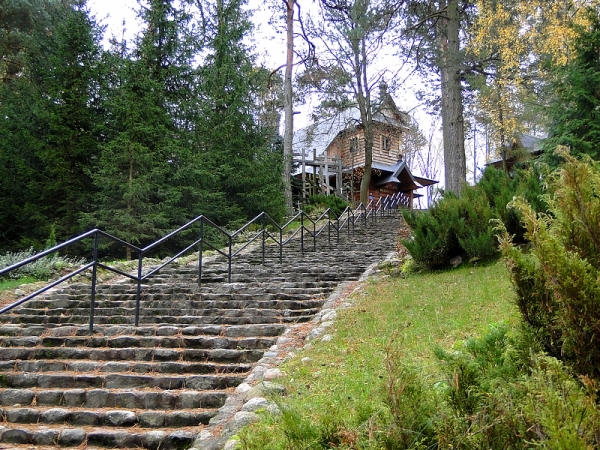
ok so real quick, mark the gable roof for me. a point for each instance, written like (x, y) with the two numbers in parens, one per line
(319, 135)
(400, 173)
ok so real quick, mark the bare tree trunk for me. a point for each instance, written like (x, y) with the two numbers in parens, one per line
(366, 115)
(366, 179)
(455, 163)
(288, 135)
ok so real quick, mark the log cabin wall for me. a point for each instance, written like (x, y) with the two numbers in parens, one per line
(349, 145)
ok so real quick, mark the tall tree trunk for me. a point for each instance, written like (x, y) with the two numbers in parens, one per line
(453, 132)
(366, 179)
(366, 115)
(288, 134)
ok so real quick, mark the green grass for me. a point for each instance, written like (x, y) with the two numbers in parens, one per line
(13, 284)
(342, 385)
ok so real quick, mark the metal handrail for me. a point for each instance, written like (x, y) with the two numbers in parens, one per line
(348, 218)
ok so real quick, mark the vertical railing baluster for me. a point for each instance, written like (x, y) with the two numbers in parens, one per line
(94, 274)
(329, 227)
(230, 255)
(263, 238)
(138, 296)
(201, 251)
(280, 245)
(302, 232)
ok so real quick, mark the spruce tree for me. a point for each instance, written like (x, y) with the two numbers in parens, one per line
(239, 152)
(576, 108)
(47, 101)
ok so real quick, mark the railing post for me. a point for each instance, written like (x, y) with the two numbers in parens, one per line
(263, 238)
(329, 227)
(280, 245)
(302, 232)
(138, 296)
(201, 252)
(314, 235)
(230, 256)
(94, 272)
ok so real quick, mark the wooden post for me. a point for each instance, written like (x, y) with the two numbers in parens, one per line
(411, 197)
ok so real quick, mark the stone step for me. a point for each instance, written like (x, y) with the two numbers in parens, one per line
(50, 380)
(120, 330)
(265, 317)
(159, 299)
(147, 399)
(165, 367)
(65, 436)
(125, 341)
(157, 308)
(156, 330)
(132, 354)
(107, 417)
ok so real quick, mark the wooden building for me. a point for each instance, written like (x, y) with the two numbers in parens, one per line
(332, 156)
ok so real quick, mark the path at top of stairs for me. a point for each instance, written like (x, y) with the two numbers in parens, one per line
(158, 384)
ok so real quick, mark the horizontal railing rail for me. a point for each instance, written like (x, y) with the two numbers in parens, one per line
(310, 228)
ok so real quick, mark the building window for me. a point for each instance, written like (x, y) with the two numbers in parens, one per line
(386, 146)
(353, 145)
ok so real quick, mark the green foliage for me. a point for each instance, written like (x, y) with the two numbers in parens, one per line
(49, 122)
(434, 241)
(557, 281)
(498, 398)
(42, 269)
(319, 203)
(411, 405)
(574, 110)
(460, 226)
(136, 140)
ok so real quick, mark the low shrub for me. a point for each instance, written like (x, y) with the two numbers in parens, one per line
(556, 277)
(460, 226)
(496, 397)
(42, 269)
(322, 202)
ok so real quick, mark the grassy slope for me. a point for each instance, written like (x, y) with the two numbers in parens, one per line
(342, 384)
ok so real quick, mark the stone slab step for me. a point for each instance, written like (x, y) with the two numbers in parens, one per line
(90, 437)
(214, 309)
(132, 354)
(116, 398)
(116, 330)
(107, 417)
(125, 341)
(165, 300)
(50, 380)
(120, 367)
(277, 317)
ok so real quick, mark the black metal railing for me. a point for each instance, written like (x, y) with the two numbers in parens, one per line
(309, 229)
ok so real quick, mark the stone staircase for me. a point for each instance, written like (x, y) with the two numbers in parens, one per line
(158, 384)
